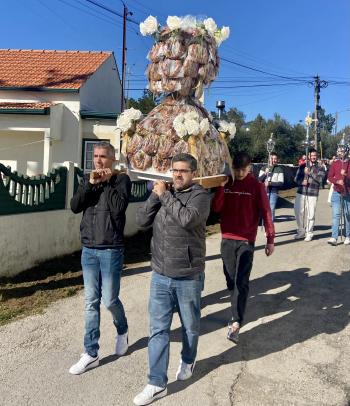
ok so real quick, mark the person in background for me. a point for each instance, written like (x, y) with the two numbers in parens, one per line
(241, 203)
(273, 177)
(339, 176)
(302, 160)
(309, 179)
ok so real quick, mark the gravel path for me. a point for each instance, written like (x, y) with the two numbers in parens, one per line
(294, 348)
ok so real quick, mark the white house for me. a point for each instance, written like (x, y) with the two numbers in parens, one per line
(54, 105)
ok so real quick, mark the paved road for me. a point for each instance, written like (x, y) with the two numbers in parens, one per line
(294, 349)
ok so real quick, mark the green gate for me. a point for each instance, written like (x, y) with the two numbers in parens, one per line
(23, 194)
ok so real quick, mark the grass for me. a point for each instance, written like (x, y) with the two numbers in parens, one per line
(33, 290)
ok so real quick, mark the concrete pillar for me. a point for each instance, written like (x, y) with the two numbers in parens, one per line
(70, 182)
(47, 164)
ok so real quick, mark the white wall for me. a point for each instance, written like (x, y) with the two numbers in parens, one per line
(31, 238)
(29, 158)
(102, 91)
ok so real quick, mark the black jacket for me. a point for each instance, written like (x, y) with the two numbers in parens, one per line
(178, 218)
(104, 207)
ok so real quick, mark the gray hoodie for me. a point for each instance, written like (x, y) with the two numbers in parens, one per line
(179, 219)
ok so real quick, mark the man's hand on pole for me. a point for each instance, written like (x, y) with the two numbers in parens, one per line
(159, 187)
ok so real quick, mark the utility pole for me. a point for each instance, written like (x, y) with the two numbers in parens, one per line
(125, 15)
(336, 123)
(318, 84)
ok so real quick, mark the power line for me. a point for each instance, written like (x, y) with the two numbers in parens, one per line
(97, 4)
(262, 71)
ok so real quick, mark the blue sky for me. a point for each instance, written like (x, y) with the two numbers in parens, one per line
(298, 38)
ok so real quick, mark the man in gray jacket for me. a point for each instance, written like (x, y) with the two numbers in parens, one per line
(178, 215)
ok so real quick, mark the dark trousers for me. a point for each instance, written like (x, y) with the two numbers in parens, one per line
(237, 257)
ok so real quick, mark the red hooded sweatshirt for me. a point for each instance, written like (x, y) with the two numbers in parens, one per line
(241, 205)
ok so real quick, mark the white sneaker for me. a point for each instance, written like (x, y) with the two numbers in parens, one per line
(332, 241)
(308, 237)
(299, 236)
(86, 362)
(149, 394)
(347, 241)
(184, 371)
(121, 344)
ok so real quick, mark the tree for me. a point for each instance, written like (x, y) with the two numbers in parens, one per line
(145, 104)
(232, 115)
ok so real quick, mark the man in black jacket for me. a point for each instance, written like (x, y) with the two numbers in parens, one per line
(178, 215)
(103, 198)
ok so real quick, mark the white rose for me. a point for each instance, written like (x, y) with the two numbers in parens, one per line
(218, 38)
(210, 25)
(149, 26)
(179, 119)
(124, 123)
(225, 33)
(174, 22)
(204, 126)
(223, 126)
(188, 23)
(133, 114)
(180, 129)
(192, 127)
(191, 115)
(232, 129)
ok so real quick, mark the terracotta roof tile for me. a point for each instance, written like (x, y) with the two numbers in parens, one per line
(24, 106)
(48, 69)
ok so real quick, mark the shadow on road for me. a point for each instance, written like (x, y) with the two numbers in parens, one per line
(293, 307)
(305, 306)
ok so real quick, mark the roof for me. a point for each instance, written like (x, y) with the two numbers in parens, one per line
(35, 69)
(25, 108)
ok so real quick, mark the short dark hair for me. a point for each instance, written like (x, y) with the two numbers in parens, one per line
(274, 154)
(241, 160)
(183, 157)
(312, 150)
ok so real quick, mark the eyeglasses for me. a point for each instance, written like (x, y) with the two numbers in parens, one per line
(181, 171)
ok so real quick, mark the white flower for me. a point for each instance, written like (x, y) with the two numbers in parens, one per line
(225, 33)
(192, 127)
(149, 26)
(132, 114)
(179, 119)
(204, 126)
(188, 23)
(232, 129)
(223, 126)
(124, 123)
(221, 35)
(210, 25)
(191, 115)
(180, 129)
(174, 22)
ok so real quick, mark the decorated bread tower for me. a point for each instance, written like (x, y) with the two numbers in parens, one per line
(182, 62)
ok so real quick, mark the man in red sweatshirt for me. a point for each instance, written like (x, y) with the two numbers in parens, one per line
(241, 203)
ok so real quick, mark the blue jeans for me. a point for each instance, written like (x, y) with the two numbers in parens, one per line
(101, 271)
(166, 294)
(273, 197)
(336, 202)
